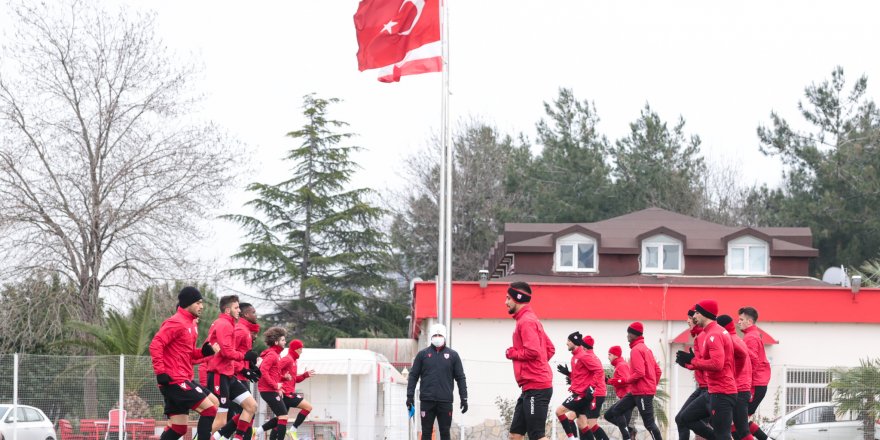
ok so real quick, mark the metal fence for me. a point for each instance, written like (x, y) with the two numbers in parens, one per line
(77, 394)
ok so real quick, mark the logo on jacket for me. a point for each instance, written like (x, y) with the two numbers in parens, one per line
(429, 354)
(446, 355)
(183, 385)
(575, 360)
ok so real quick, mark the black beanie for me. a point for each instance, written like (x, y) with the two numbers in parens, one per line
(188, 296)
(577, 339)
(723, 320)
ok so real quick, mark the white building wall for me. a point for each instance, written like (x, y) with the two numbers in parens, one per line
(481, 344)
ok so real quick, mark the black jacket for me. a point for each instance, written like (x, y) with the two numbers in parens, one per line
(437, 368)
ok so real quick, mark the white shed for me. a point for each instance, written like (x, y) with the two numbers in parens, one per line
(359, 389)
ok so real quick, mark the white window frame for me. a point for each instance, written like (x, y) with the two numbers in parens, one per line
(659, 241)
(804, 386)
(575, 239)
(746, 243)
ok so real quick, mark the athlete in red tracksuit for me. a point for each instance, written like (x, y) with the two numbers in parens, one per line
(644, 375)
(223, 366)
(270, 383)
(579, 378)
(289, 379)
(715, 356)
(530, 354)
(620, 381)
(243, 335)
(588, 422)
(748, 316)
(743, 375)
(173, 350)
(699, 377)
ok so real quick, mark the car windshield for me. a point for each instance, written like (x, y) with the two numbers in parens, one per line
(3, 409)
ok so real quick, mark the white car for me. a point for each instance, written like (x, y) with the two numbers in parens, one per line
(817, 421)
(31, 424)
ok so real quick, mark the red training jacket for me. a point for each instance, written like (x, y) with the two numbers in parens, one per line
(174, 349)
(597, 374)
(714, 355)
(644, 370)
(531, 351)
(620, 379)
(742, 364)
(243, 335)
(288, 366)
(580, 374)
(760, 364)
(699, 375)
(221, 332)
(270, 381)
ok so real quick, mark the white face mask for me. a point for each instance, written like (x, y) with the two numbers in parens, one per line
(438, 341)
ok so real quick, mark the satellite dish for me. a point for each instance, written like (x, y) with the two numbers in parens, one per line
(836, 276)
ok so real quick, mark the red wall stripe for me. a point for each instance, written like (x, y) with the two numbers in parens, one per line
(657, 302)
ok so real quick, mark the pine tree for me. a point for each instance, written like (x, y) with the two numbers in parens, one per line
(656, 165)
(314, 247)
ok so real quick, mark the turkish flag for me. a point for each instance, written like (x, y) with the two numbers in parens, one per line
(400, 37)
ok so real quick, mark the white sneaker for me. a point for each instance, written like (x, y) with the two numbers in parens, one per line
(217, 436)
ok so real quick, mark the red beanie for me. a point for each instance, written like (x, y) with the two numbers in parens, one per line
(296, 344)
(615, 351)
(707, 308)
(636, 328)
(589, 341)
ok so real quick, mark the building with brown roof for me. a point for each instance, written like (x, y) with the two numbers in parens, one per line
(652, 246)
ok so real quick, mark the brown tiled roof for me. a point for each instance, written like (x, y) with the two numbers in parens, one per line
(620, 235)
(678, 280)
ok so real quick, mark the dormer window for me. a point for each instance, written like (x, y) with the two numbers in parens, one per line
(747, 255)
(576, 253)
(661, 254)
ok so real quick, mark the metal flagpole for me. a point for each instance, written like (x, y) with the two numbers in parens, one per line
(446, 168)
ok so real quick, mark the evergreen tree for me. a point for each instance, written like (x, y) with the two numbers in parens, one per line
(569, 181)
(831, 178)
(314, 247)
(658, 166)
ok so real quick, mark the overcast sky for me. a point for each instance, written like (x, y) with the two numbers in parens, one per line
(723, 66)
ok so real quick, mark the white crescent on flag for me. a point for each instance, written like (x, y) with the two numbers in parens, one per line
(420, 5)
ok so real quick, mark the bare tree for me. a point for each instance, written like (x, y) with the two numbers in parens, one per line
(104, 174)
(724, 194)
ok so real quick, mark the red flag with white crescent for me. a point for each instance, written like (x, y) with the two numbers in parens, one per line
(399, 37)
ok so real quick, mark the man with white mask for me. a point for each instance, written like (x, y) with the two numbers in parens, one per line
(437, 366)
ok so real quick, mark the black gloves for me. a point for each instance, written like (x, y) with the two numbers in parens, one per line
(251, 356)
(207, 350)
(251, 375)
(684, 357)
(409, 402)
(568, 380)
(163, 379)
(464, 406)
(563, 368)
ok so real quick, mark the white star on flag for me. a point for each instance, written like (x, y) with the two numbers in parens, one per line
(388, 26)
